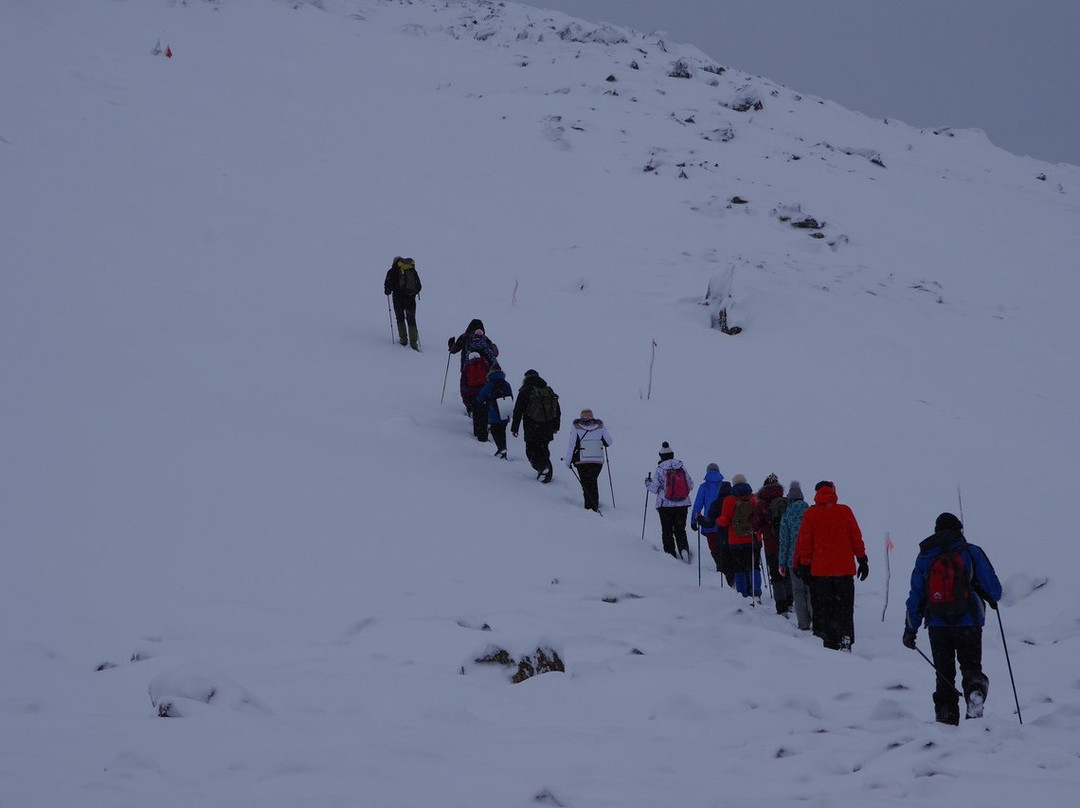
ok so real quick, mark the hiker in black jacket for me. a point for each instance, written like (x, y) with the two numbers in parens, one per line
(537, 408)
(403, 282)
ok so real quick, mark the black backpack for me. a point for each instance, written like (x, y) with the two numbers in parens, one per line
(777, 508)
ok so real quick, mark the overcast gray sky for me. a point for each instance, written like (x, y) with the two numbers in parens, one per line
(1008, 67)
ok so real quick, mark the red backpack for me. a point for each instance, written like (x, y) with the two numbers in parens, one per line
(948, 586)
(675, 485)
(476, 372)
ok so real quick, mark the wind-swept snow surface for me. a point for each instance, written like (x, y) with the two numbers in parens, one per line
(230, 498)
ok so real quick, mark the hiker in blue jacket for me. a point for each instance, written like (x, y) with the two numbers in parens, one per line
(949, 585)
(707, 494)
(497, 396)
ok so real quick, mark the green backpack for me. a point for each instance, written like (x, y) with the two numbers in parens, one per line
(740, 518)
(543, 405)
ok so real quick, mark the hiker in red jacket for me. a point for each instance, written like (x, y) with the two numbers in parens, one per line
(826, 550)
(743, 547)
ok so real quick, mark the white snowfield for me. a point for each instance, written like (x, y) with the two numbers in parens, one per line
(227, 487)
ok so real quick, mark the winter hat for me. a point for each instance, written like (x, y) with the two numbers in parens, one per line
(738, 478)
(947, 521)
(666, 452)
(823, 484)
(794, 490)
(530, 372)
(772, 479)
(712, 467)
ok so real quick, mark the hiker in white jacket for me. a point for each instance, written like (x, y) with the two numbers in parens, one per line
(585, 452)
(672, 485)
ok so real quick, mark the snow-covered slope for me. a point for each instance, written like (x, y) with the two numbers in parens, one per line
(224, 485)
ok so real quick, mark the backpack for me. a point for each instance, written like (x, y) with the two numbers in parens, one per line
(409, 281)
(714, 511)
(675, 485)
(476, 372)
(542, 406)
(948, 588)
(740, 518)
(503, 397)
(776, 512)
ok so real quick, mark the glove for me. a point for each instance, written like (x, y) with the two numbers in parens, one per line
(648, 480)
(864, 568)
(992, 604)
(693, 524)
(450, 344)
(803, 571)
(514, 434)
(909, 640)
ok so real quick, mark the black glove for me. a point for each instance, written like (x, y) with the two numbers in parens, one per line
(864, 568)
(450, 344)
(909, 639)
(992, 604)
(803, 571)
(693, 524)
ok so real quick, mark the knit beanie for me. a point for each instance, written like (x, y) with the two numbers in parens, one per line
(738, 478)
(947, 521)
(772, 479)
(666, 452)
(794, 490)
(712, 467)
(530, 372)
(824, 484)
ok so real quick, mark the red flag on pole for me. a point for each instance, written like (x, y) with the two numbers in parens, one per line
(168, 52)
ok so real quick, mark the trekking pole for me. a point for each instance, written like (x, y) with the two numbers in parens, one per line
(611, 485)
(390, 314)
(644, 516)
(444, 378)
(960, 501)
(698, 531)
(1009, 663)
(939, 673)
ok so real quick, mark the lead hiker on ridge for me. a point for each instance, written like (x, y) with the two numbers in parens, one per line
(403, 282)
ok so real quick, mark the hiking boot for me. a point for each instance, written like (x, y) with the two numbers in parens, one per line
(414, 346)
(546, 474)
(845, 644)
(975, 702)
(501, 453)
(402, 341)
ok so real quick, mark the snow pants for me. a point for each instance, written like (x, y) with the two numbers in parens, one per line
(405, 313)
(948, 646)
(833, 602)
(589, 473)
(673, 529)
(800, 593)
(537, 449)
(746, 569)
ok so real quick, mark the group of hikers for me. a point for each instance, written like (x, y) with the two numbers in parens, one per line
(812, 553)
(492, 406)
